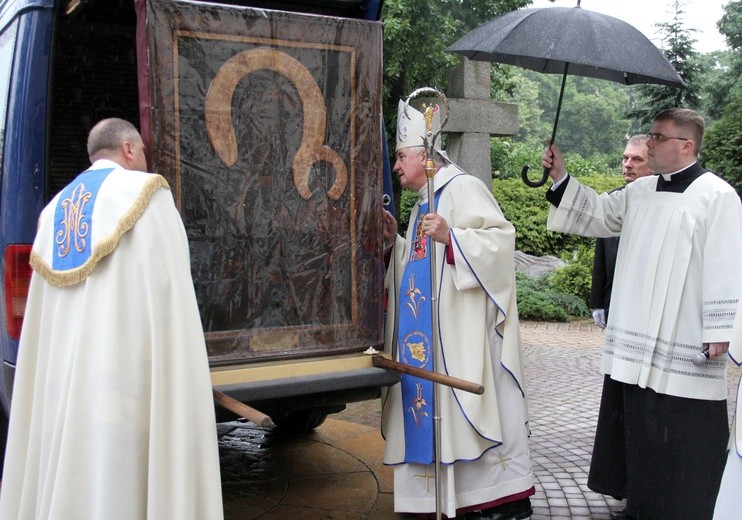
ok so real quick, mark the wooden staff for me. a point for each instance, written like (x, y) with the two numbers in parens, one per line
(241, 409)
(436, 377)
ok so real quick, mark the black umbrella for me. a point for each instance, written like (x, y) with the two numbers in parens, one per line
(568, 40)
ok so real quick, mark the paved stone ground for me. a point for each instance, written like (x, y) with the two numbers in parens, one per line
(336, 471)
(563, 383)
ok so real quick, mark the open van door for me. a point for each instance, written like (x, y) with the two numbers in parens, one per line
(265, 117)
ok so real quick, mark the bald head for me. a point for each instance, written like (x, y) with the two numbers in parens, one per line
(119, 141)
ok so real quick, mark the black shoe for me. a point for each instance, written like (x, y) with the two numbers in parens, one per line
(620, 515)
(518, 510)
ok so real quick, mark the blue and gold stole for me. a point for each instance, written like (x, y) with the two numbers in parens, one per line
(415, 348)
(73, 220)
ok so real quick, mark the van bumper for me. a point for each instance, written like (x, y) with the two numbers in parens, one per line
(340, 383)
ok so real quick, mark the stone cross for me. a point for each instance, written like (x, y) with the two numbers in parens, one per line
(474, 117)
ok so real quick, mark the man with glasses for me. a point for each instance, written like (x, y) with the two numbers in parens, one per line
(677, 284)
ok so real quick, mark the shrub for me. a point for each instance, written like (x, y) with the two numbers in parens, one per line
(575, 278)
(508, 158)
(598, 166)
(527, 209)
(537, 301)
(722, 150)
(572, 305)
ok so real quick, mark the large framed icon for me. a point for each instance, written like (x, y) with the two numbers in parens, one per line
(268, 128)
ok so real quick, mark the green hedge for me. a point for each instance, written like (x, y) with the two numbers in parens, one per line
(539, 300)
(527, 209)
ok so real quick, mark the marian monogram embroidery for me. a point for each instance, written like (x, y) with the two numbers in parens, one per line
(73, 230)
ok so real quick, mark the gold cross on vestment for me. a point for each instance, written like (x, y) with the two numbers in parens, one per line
(427, 479)
(503, 461)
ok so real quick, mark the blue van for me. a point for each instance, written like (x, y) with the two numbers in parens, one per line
(286, 258)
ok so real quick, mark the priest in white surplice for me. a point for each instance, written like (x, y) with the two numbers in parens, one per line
(112, 415)
(677, 284)
(485, 464)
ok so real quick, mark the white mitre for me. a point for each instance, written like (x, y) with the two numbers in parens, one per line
(411, 126)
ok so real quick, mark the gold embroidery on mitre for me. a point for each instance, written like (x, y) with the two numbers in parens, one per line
(74, 230)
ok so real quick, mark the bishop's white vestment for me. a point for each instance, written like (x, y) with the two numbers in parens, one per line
(112, 414)
(484, 438)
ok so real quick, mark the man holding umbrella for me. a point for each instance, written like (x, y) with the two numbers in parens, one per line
(670, 321)
(486, 471)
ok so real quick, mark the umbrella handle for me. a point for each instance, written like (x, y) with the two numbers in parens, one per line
(529, 182)
(524, 171)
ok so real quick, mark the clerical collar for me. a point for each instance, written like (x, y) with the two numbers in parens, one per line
(678, 182)
(669, 176)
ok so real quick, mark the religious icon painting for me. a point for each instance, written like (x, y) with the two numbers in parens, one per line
(273, 151)
(420, 242)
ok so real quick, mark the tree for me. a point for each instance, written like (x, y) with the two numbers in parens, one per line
(730, 62)
(716, 84)
(730, 24)
(651, 99)
(722, 150)
(416, 34)
(592, 122)
(526, 93)
(588, 104)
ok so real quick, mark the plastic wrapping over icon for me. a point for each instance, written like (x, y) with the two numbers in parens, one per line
(269, 133)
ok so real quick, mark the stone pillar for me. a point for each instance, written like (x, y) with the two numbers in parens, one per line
(474, 117)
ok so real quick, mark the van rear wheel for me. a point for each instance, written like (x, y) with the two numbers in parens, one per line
(298, 422)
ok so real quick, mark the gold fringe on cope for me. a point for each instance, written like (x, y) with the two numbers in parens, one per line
(106, 246)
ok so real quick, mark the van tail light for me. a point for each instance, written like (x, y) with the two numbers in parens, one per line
(17, 281)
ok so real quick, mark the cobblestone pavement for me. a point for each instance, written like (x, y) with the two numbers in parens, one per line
(563, 385)
(340, 463)
(563, 382)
